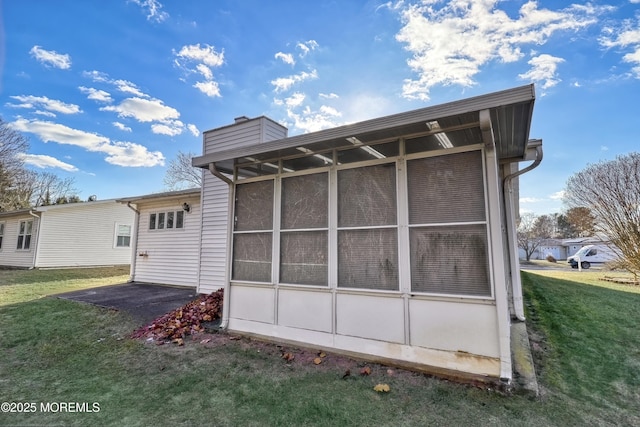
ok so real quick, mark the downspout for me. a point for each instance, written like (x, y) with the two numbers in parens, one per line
(35, 250)
(134, 249)
(227, 281)
(516, 284)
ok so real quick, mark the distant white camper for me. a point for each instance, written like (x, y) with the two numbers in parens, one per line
(592, 254)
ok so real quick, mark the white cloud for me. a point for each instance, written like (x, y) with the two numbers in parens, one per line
(205, 71)
(287, 58)
(628, 37)
(44, 113)
(306, 47)
(285, 83)
(209, 88)
(329, 96)
(43, 161)
(96, 94)
(170, 128)
(143, 110)
(206, 57)
(604, 148)
(558, 195)
(450, 42)
(193, 129)
(51, 58)
(312, 121)
(153, 9)
(530, 200)
(96, 76)
(293, 101)
(128, 87)
(53, 105)
(543, 69)
(118, 153)
(121, 126)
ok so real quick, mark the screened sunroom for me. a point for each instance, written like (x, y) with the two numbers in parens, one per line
(387, 239)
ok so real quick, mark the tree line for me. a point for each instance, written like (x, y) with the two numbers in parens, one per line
(22, 188)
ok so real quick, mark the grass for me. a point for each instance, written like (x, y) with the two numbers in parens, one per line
(585, 333)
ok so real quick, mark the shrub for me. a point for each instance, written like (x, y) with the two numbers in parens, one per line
(550, 258)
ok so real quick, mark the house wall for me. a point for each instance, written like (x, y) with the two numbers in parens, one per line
(169, 256)
(9, 255)
(83, 235)
(215, 194)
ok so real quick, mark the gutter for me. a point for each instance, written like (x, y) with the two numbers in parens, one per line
(512, 248)
(224, 324)
(134, 249)
(35, 250)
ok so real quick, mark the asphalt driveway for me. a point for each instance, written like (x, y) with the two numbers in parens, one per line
(145, 302)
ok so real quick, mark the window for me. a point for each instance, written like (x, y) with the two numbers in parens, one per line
(253, 235)
(166, 220)
(447, 227)
(1, 233)
(304, 240)
(367, 228)
(123, 236)
(433, 209)
(24, 235)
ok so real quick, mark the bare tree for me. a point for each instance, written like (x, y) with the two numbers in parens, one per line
(12, 168)
(611, 191)
(181, 175)
(581, 220)
(532, 231)
(48, 188)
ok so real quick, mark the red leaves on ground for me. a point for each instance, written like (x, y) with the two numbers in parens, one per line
(186, 320)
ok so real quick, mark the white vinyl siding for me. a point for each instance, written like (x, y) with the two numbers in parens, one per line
(215, 197)
(10, 256)
(215, 219)
(82, 235)
(168, 255)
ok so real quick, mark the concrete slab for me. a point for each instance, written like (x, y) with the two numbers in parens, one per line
(145, 302)
(525, 380)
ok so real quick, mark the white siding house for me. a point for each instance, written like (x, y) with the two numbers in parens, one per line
(392, 239)
(166, 237)
(18, 238)
(85, 234)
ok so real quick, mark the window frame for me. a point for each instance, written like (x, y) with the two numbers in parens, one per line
(117, 236)
(22, 235)
(160, 226)
(2, 228)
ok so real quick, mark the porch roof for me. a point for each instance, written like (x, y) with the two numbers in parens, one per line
(501, 118)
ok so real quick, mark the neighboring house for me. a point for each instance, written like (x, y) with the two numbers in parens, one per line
(553, 247)
(69, 235)
(166, 237)
(391, 239)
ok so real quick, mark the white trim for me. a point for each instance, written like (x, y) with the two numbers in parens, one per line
(116, 234)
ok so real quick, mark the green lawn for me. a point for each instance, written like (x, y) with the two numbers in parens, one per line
(585, 333)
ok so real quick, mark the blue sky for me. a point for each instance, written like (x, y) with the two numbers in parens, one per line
(109, 92)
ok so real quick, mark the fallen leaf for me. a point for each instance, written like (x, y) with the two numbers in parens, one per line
(390, 372)
(288, 357)
(365, 371)
(179, 341)
(322, 354)
(346, 373)
(317, 361)
(206, 318)
(382, 388)
(205, 341)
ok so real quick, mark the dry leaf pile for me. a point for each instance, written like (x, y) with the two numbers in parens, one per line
(186, 320)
